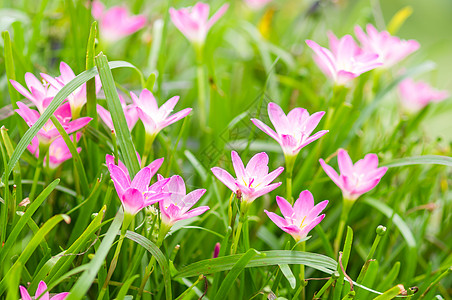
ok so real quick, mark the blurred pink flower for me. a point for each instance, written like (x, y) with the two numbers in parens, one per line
(176, 207)
(58, 150)
(40, 290)
(116, 22)
(216, 250)
(257, 4)
(345, 60)
(194, 21)
(39, 93)
(355, 180)
(130, 112)
(301, 218)
(48, 133)
(292, 131)
(153, 117)
(390, 49)
(416, 95)
(252, 181)
(78, 98)
(136, 194)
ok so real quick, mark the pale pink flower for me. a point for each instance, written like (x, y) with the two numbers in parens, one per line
(48, 133)
(136, 194)
(177, 206)
(257, 4)
(416, 95)
(116, 22)
(78, 98)
(154, 118)
(39, 93)
(130, 112)
(194, 21)
(301, 218)
(345, 60)
(293, 131)
(355, 179)
(252, 181)
(390, 49)
(39, 291)
(58, 150)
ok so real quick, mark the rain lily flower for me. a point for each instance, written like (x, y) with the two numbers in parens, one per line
(216, 250)
(345, 60)
(194, 21)
(39, 291)
(153, 117)
(78, 98)
(355, 179)
(116, 22)
(130, 112)
(301, 218)
(39, 93)
(176, 207)
(252, 181)
(48, 133)
(416, 95)
(257, 4)
(136, 194)
(292, 131)
(390, 49)
(58, 151)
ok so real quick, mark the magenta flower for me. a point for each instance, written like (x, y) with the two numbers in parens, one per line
(176, 207)
(130, 112)
(252, 181)
(416, 95)
(58, 151)
(39, 291)
(292, 131)
(153, 117)
(345, 60)
(194, 21)
(39, 93)
(257, 4)
(136, 194)
(355, 180)
(301, 218)
(116, 22)
(48, 133)
(390, 49)
(78, 98)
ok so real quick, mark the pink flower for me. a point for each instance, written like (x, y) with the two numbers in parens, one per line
(78, 98)
(257, 4)
(58, 151)
(48, 133)
(176, 207)
(356, 179)
(216, 250)
(39, 291)
(390, 49)
(136, 194)
(116, 23)
(292, 131)
(345, 60)
(153, 117)
(252, 181)
(39, 93)
(301, 218)
(130, 112)
(416, 95)
(194, 21)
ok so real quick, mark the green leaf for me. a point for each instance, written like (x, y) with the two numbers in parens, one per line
(155, 251)
(9, 66)
(124, 137)
(345, 257)
(197, 165)
(268, 258)
(287, 272)
(83, 284)
(391, 293)
(420, 160)
(125, 287)
(238, 267)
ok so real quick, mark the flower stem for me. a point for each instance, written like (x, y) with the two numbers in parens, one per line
(243, 215)
(290, 160)
(42, 153)
(148, 141)
(302, 247)
(347, 205)
(201, 81)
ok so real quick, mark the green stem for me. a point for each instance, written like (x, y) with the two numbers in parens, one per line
(290, 161)
(42, 153)
(201, 81)
(347, 205)
(148, 141)
(243, 215)
(302, 247)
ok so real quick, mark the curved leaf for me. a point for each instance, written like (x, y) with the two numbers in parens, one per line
(420, 160)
